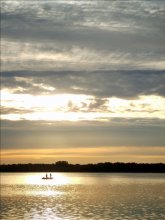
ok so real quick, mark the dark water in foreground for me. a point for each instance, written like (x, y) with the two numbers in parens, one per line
(82, 196)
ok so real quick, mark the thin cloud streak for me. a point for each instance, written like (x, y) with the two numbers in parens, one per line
(93, 154)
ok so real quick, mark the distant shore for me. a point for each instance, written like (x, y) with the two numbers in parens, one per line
(64, 166)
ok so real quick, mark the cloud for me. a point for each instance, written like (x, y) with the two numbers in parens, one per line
(122, 84)
(69, 107)
(119, 132)
(83, 74)
(88, 35)
(48, 57)
(7, 110)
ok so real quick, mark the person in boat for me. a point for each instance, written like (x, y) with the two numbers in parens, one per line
(47, 177)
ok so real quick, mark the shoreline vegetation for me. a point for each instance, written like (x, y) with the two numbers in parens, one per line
(64, 166)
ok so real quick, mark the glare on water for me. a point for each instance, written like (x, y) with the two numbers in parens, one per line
(58, 179)
(82, 196)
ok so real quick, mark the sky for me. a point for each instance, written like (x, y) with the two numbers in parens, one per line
(82, 81)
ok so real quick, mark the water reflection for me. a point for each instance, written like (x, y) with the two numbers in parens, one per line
(80, 178)
(36, 179)
(58, 179)
(75, 196)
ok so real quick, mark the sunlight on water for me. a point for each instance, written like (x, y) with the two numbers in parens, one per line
(58, 179)
(36, 179)
(82, 196)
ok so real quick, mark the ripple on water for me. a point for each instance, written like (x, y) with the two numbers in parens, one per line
(83, 202)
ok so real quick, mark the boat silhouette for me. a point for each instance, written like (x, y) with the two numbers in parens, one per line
(47, 177)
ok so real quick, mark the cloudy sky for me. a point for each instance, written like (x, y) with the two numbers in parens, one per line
(82, 81)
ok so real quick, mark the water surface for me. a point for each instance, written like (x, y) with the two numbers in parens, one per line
(82, 196)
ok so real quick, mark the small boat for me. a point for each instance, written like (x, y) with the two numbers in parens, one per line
(47, 177)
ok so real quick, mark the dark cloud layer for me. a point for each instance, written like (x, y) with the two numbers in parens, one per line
(129, 34)
(67, 134)
(86, 37)
(125, 84)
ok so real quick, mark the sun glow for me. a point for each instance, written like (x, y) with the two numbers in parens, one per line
(44, 102)
(36, 179)
(94, 154)
(76, 107)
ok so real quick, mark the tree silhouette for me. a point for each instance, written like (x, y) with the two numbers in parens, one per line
(64, 166)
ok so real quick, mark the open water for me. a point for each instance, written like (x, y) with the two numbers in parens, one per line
(82, 196)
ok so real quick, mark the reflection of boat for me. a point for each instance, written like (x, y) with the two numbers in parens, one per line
(47, 177)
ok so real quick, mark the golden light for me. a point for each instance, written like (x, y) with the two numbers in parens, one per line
(61, 179)
(76, 107)
(44, 102)
(36, 179)
(151, 106)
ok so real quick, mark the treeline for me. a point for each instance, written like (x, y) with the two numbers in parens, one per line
(64, 166)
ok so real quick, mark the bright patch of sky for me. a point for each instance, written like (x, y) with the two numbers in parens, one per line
(92, 62)
(74, 107)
